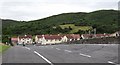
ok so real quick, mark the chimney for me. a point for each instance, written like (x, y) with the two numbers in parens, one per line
(104, 33)
(25, 35)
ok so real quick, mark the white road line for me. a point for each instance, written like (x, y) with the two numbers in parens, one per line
(85, 55)
(111, 62)
(57, 48)
(68, 51)
(43, 57)
(27, 48)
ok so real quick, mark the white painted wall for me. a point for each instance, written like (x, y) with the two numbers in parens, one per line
(25, 40)
(64, 39)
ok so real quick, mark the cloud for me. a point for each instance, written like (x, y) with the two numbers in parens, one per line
(30, 9)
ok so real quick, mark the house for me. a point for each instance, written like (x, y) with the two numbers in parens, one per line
(76, 36)
(27, 39)
(14, 40)
(101, 35)
(73, 37)
(54, 39)
(86, 36)
(48, 39)
(90, 36)
(38, 38)
(115, 34)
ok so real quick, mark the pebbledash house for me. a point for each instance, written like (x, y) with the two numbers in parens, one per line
(26, 39)
(55, 39)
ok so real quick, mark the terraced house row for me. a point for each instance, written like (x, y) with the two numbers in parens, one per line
(56, 39)
(45, 39)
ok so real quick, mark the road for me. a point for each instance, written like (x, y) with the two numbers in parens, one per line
(73, 53)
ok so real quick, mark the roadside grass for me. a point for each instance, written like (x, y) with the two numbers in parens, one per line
(76, 28)
(3, 48)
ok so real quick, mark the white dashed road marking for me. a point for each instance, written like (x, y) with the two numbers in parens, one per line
(85, 55)
(27, 48)
(57, 48)
(43, 57)
(111, 62)
(68, 51)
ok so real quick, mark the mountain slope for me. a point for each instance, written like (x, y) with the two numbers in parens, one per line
(105, 21)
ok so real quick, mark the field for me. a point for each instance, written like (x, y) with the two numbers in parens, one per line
(75, 28)
(3, 47)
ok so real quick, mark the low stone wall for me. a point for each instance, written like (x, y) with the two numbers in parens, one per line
(108, 40)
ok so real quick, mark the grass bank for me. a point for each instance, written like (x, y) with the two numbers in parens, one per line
(3, 47)
(76, 28)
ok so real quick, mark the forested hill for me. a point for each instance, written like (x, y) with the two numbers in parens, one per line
(105, 21)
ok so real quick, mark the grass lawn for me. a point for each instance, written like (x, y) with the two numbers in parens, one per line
(3, 48)
(76, 28)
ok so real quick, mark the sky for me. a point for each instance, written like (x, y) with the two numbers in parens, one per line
(26, 10)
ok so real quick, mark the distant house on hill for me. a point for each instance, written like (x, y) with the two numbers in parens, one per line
(27, 39)
(102, 35)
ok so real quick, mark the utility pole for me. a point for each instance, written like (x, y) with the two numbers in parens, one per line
(9, 38)
(95, 32)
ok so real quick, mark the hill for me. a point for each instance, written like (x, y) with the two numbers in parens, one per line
(75, 29)
(105, 21)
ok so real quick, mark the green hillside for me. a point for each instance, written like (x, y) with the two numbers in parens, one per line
(105, 21)
(76, 28)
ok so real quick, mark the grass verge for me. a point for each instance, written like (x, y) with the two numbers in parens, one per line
(3, 47)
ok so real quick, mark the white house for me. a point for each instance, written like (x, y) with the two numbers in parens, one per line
(48, 39)
(27, 39)
(90, 36)
(115, 34)
(38, 38)
(64, 39)
(54, 39)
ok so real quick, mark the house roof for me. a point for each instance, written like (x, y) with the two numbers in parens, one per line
(87, 35)
(69, 36)
(39, 36)
(100, 35)
(59, 36)
(72, 36)
(26, 36)
(14, 39)
(96, 35)
(52, 37)
(75, 36)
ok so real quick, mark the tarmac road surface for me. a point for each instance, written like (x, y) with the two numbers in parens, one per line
(72, 53)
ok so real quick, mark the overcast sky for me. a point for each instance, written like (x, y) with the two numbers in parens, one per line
(37, 9)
